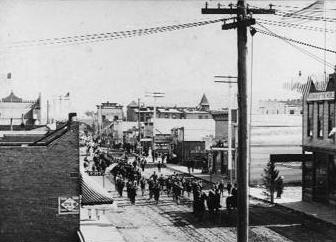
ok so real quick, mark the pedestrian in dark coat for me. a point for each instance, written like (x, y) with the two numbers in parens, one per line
(211, 202)
(159, 166)
(201, 205)
(154, 176)
(120, 186)
(161, 181)
(229, 187)
(128, 188)
(221, 188)
(150, 187)
(217, 200)
(143, 185)
(156, 191)
(196, 200)
(132, 192)
(143, 164)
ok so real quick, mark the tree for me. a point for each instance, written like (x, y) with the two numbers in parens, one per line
(269, 178)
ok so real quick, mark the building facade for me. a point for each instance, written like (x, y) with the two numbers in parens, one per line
(110, 111)
(274, 106)
(17, 111)
(40, 187)
(319, 172)
(145, 113)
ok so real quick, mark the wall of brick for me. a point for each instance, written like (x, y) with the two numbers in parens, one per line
(31, 180)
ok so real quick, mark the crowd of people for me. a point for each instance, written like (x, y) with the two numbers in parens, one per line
(129, 174)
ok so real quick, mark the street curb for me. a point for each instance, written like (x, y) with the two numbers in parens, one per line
(306, 215)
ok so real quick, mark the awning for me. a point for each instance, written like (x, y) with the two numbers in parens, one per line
(92, 192)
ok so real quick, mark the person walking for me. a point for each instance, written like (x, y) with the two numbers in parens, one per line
(229, 187)
(143, 164)
(154, 176)
(221, 187)
(156, 192)
(143, 185)
(211, 202)
(132, 192)
(150, 187)
(161, 181)
(159, 166)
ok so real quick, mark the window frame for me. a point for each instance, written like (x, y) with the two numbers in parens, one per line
(320, 120)
(310, 119)
(331, 115)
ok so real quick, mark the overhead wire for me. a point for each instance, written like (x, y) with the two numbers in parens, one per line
(303, 16)
(90, 38)
(292, 25)
(298, 7)
(270, 33)
(306, 52)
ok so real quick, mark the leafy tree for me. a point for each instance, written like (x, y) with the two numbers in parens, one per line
(269, 178)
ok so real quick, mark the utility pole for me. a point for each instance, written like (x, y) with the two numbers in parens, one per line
(139, 125)
(241, 22)
(47, 111)
(229, 123)
(155, 95)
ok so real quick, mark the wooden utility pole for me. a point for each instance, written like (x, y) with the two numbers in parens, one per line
(230, 166)
(155, 95)
(139, 126)
(241, 22)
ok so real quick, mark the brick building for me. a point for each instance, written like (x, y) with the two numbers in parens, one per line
(319, 172)
(40, 187)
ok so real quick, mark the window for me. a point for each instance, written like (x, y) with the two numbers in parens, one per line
(310, 119)
(332, 175)
(331, 116)
(320, 120)
(166, 115)
(291, 111)
(174, 116)
(200, 116)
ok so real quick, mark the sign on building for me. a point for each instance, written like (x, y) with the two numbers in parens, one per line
(95, 173)
(319, 96)
(68, 205)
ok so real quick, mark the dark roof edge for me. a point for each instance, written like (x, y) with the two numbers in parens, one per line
(40, 142)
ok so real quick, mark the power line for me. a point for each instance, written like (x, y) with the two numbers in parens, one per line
(308, 53)
(304, 17)
(90, 38)
(297, 7)
(304, 51)
(297, 26)
(293, 40)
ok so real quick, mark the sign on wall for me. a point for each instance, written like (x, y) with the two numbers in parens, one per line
(68, 205)
(319, 96)
(95, 173)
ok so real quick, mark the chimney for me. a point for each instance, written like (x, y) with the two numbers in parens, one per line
(71, 116)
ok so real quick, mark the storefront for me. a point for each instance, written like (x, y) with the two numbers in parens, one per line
(319, 173)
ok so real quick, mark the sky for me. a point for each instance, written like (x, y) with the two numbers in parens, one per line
(181, 63)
